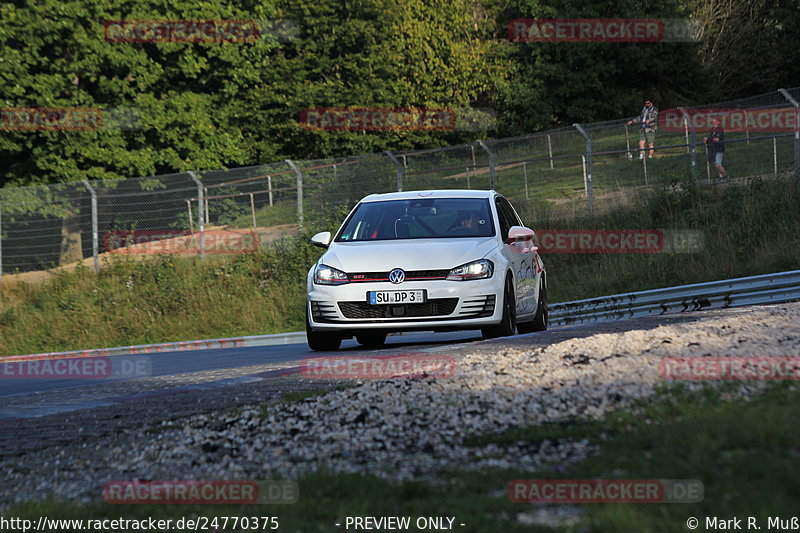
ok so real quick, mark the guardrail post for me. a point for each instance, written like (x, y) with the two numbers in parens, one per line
(95, 250)
(398, 169)
(796, 105)
(299, 176)
(587, 180)
(492, 179)
(691, 141)
(200, 215)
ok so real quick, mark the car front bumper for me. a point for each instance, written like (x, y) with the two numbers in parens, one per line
(449, 304)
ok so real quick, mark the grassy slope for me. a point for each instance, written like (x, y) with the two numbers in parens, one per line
(748, 229)
(161, 300)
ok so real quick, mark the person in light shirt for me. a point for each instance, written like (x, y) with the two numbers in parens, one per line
(648, 120)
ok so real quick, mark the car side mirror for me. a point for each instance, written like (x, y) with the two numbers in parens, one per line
(523, 236)
(321, 239)
(519, 234)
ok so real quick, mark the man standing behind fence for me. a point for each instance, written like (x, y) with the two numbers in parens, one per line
(715, 143)
(649, 121)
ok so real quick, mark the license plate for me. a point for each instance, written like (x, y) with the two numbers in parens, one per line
(396, 297)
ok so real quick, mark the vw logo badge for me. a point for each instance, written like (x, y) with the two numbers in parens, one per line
(397, 275)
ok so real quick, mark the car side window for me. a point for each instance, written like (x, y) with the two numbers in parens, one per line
(511, 213)
(506, 221)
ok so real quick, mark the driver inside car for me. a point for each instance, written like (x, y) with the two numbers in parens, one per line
(467, 222)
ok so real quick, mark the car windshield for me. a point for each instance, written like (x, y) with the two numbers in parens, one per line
(420, 218)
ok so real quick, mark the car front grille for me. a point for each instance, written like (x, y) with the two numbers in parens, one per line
(433, 307)
(411, 275)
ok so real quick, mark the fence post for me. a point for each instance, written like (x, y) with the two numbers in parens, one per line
(583, 168)
(686, 134)
(253, 210)
(200, 215)
(775, 156)
(644, 166)
(587, 180)
(550, 150)
(692, 141)
(299, 176)
(628, 142)
(205, 205)
(525, 174)
(796, 105)
(492, 179)
(398, 169)
(191, 220)
(472, 149)
(94, 224)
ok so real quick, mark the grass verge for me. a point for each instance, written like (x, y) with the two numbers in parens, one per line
(159, 300)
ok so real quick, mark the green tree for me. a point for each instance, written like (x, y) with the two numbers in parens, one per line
(373, 53)
(749, 46)
(54, 54)
(557, 84)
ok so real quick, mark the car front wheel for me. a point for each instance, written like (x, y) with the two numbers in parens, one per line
(508, 324)
(322, 341)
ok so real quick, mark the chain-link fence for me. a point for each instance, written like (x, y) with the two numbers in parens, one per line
(226, 211)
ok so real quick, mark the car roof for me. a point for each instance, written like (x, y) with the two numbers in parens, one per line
(441, 193)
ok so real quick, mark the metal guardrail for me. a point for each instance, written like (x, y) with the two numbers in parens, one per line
(753, 290)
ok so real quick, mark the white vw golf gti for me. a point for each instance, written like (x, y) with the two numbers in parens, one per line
(426, 260)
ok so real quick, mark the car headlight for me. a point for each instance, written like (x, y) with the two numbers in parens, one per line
(325, 275)
(476, 270)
